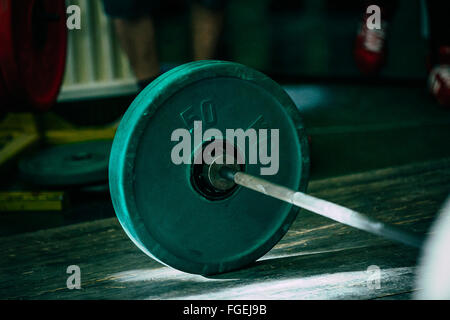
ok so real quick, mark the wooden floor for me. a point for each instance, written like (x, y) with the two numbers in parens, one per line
(317, 259)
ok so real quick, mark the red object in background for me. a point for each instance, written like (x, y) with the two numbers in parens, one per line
(370, 48)
(3, 92)
(33, 43)
(439, 77)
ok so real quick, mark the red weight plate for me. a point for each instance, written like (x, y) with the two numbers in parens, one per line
(3, 92)
(41, 55)
(4, 33)
(8, 67)
(3, 95)
(34, 58)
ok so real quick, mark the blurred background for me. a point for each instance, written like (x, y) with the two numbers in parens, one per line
(291, 40)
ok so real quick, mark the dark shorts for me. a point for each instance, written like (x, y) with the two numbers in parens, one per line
(130, 9)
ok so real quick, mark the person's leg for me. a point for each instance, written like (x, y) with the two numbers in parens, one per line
(137, 37)
(207, 22)
(135, 30)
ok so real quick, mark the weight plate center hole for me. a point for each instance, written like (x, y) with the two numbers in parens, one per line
(81, 156)
(207, 163)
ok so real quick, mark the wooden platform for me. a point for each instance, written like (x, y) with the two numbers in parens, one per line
(317, 259)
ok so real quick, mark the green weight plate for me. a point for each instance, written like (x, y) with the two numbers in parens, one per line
(155, 200)
(68, 165)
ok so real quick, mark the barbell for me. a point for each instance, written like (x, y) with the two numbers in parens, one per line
(214, 216)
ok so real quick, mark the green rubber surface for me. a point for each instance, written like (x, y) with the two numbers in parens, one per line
(68, 165)
(154, 199)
